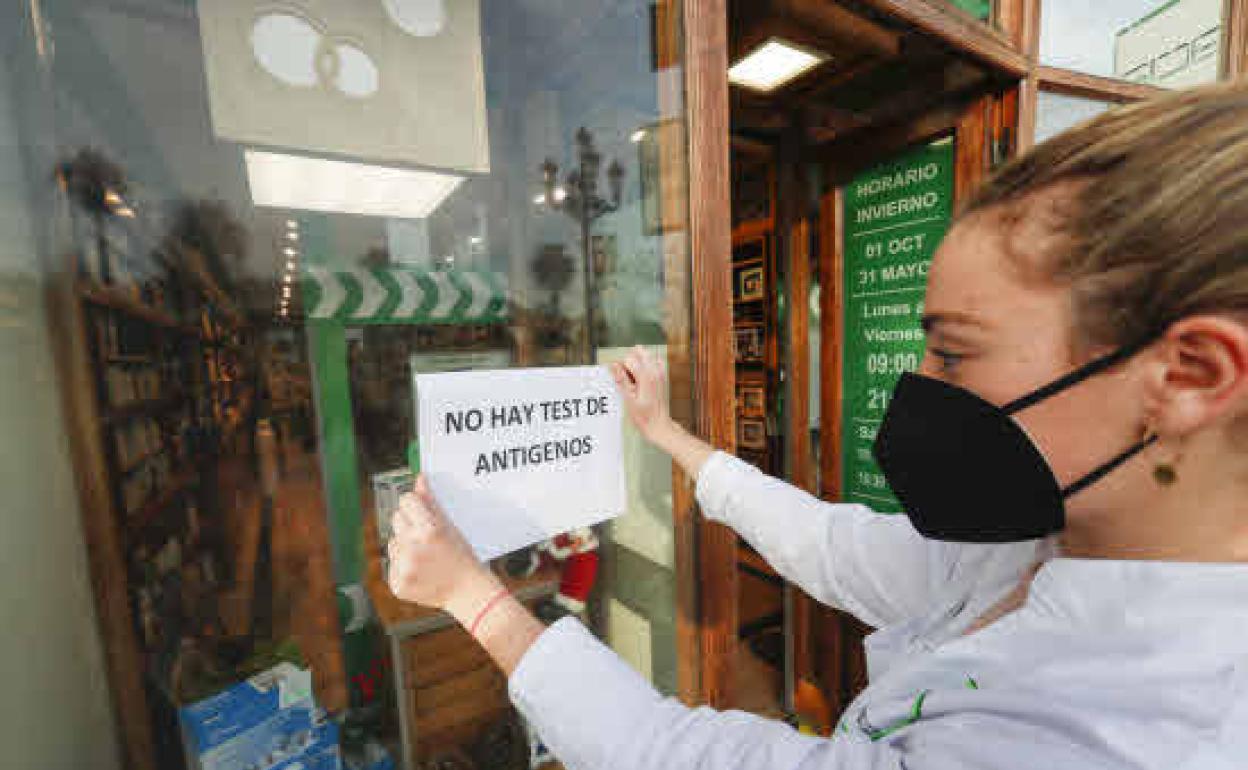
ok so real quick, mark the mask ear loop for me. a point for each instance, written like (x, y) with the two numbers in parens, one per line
(1090, 369)
(1109, 467)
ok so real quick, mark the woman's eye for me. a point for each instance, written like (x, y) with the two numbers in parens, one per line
(948, 361)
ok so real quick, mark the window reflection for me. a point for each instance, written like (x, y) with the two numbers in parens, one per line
(266, 218)
(1057, 112)
(1171, 43)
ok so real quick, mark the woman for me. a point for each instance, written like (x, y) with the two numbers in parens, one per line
(1068, 588)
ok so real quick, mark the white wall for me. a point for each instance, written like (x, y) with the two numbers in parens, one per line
(55, 709)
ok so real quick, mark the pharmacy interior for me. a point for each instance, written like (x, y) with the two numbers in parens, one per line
(235, 232)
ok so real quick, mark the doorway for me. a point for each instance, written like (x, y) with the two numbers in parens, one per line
(852, 135)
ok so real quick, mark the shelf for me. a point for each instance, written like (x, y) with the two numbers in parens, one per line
(192, 262)
(214, 344)
(148, 408)
(143, 518)
(123, 302)
(749, 262)
(118, 359)
(140, 461)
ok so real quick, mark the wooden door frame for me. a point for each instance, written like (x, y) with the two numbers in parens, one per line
(712, 638)
(709, 549)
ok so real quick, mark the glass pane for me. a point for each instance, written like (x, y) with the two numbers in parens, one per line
(1057, 112)
(1172, 43)
(259, 221)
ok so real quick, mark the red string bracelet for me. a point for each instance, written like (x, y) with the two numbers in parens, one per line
(495, 599)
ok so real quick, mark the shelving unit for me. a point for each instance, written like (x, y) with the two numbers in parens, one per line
(162, 390)
(756, 339)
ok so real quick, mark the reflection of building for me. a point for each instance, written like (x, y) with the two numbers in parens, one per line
(1175, 45)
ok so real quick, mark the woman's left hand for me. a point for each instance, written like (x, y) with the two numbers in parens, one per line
(431, 563)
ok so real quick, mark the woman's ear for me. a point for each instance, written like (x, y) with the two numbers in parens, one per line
(1202, 377)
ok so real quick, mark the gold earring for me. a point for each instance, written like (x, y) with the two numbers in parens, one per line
(1164, 472)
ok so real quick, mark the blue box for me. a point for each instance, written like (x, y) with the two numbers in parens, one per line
(268, 721)
(321, 754)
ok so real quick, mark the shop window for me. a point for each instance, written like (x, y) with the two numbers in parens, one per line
(1057, 112)
(1169, 43)
(259, 221)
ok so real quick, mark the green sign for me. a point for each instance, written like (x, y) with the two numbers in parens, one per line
(895, 215)
(980, 9)
(404, 296)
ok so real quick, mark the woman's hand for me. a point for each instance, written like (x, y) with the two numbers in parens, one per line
(642, 381)
(431, 563)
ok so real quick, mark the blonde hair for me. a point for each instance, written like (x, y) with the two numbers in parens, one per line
(1148, 204)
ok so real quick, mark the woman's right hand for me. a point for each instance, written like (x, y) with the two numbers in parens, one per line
(642, 380)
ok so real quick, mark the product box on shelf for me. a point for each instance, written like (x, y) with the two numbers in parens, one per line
(269, 721)
(321, 753)
(388, 487)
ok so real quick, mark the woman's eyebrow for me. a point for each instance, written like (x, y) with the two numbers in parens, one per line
(933, 322)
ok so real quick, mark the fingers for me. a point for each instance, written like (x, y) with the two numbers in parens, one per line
(638, 364)
(654, 365)
(414, 518)
(623, 379)
(399, 567)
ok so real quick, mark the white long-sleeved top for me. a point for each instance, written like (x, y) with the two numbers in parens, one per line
(1107, 665)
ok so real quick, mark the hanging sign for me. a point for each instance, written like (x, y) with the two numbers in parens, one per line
(517, 456)
(391, 82)
(895, 216)
(404, 296)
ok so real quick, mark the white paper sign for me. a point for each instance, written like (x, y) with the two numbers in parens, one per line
(516, 456)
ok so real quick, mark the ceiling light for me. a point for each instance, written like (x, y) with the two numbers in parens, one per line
(540, 199)
(288, 278)
(560, 195)
(475, 240)
(290, 264)
(292, 224)
(637, 136)
(289, 251)
(296, 182)
(773, 64)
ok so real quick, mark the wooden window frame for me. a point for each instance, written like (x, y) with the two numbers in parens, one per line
(1067, 82)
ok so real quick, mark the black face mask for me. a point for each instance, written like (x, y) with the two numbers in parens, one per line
(965, 471)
